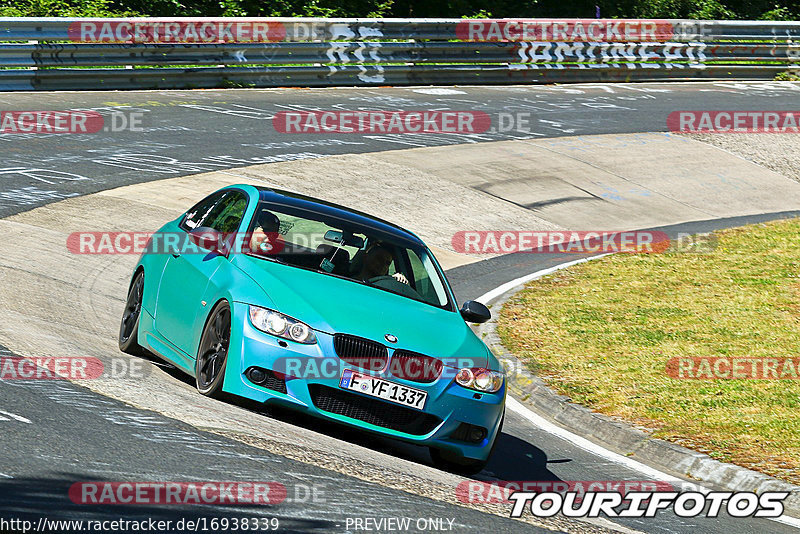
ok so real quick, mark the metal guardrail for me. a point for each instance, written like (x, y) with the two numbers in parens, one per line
(363, 53)
(63, 53)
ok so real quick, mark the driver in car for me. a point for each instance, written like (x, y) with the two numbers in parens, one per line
(377, 260)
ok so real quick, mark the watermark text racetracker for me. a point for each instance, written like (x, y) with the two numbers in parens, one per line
(70, 368)
(196, 242)
(183, 31)
(739, 121)
(736, 368)
(579, 30)
(578, 242)
(460, 122)
(178, 493)
(417, 369)
(69, 122)
(372, 122)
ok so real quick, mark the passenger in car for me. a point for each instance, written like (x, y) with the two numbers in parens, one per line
(265, 238)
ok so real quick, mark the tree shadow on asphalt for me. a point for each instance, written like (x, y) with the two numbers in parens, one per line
(515, 459)
(33, 498)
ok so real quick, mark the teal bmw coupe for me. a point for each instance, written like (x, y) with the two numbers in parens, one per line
(286, 299)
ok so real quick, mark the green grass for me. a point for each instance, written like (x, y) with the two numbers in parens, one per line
(602, 333)
(787, 77)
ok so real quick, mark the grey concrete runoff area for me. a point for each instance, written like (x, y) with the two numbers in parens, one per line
(609, 166)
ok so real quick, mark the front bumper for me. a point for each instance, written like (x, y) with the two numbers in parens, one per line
(313, 387)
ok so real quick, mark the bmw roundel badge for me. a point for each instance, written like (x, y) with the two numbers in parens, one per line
(390, 338)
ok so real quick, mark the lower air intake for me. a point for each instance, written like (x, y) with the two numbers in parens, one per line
(373, 411)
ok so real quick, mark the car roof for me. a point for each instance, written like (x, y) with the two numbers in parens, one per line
(323, 207)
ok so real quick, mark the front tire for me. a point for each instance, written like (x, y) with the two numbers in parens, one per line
(129, 326)
(212, 356)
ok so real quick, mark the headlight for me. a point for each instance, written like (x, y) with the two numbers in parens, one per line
(281, 325)
(480, 379)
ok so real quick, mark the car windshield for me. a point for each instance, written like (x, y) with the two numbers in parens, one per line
(338, 247)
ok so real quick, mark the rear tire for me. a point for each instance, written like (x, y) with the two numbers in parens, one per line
(212, 355)
(129, 326)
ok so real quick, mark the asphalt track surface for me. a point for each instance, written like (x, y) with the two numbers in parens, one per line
(77, 435)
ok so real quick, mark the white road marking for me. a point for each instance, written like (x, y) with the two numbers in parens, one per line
(567, 90)
(574, 439)
(508, 286)
(643, 89)
(583, 443)
(605, 88)
(15, 417)
(787, 520)
(439, 91)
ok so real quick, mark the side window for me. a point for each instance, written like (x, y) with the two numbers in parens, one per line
(226, 215)
(428, 283)
(422, 281)
(195, 216)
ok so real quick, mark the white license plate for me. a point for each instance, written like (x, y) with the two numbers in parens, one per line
(383, 389)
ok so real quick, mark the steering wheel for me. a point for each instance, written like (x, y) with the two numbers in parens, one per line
(395, 286)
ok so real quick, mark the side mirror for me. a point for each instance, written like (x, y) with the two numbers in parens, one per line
(474, 312)
(208, 239)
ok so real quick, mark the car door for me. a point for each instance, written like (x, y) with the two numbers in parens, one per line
(186, 276)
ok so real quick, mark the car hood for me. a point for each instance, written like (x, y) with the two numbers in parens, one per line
(333, 305)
